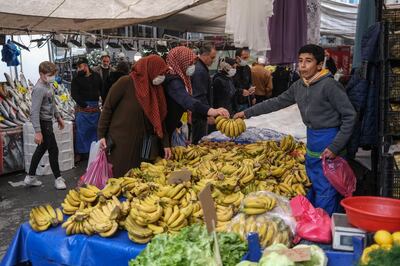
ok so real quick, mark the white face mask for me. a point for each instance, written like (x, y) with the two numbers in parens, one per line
(243, 62)
(232, 72)
(190, 70)
(158, 80)
(51, 79)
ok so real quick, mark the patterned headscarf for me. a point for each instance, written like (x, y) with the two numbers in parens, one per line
(179, 59)
(151, 97)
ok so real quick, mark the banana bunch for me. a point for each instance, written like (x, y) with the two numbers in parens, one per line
(42, 217)
(104, 219)
(258, 203)
(112, 188)
(178, 152)
(288, 144)
(233, 199)
(254, 148)
(174, 219)
(270, 230)
(89, 193)
(224, 217)
(137, 233)
(72, 202)
(78, 223)
(194, 151)
(147, 211)
(231, 128)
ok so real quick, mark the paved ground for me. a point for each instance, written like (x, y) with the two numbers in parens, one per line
(16, 202)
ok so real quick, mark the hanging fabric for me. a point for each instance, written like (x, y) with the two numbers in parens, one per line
(313, 21)
(249, 23)
(287, 31)
(365, 19)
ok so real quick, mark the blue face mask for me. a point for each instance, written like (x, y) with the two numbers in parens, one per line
(51, 79)
(190, 70)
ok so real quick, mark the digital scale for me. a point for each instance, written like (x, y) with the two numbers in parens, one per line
(343, 233)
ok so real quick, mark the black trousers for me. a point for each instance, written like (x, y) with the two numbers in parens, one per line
(260, 98)
(199, 129)
(48, 144)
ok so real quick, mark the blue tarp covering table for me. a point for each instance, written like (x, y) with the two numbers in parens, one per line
(54, 247)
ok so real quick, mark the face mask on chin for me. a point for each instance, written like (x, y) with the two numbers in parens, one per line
(105, 66)
(51, 79)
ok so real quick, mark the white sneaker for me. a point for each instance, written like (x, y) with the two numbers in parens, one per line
(60, 183)
(32, 181)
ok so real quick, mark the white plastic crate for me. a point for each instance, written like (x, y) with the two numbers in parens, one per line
(65, 145)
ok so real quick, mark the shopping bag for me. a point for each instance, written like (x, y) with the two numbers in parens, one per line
(98, 172)
(313, 224)
(340, 175)
(94, 150)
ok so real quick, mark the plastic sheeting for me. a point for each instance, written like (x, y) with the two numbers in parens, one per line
(338, 18)
(285, 121)
(53, 247)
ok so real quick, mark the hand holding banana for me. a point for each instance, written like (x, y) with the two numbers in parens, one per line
(230, 127)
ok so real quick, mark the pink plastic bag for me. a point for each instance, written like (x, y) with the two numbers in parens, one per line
(98, 172)
(340, 175)
(313, 224)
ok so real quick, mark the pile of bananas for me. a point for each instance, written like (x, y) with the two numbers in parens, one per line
(271, 230)
(231, 128)
(258, 204)
(103, 219)
(42, 217)
(153, 206)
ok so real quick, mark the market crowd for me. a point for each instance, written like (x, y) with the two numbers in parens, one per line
(142, 106)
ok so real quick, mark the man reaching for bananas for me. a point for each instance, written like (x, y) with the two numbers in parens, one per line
(328, 114)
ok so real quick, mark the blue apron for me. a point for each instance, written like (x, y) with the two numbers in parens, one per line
(86, 128)
(322, 194)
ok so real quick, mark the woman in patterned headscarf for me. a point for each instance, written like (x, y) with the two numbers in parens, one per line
(178, 88)
(135, 107)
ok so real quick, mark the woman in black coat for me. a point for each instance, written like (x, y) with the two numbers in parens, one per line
(223, 87)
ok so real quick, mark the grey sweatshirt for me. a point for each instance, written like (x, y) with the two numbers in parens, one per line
(322, 105)
(43, 104)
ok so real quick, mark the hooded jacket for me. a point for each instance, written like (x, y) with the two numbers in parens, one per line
(322, 104)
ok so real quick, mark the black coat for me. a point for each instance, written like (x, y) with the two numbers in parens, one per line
(179, 101)
(242, 81)
(114, 76)
(223, 92)
(85, 89)
(201, 85)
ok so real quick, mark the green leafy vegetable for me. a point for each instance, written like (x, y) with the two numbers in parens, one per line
(381, 257)
(190, 247)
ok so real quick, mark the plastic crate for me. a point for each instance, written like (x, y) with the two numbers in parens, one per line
(394, 46)
(393, 123)
(394, 87)
(391, 175)
(391, 15)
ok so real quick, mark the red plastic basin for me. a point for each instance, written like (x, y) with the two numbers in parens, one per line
(373, 213)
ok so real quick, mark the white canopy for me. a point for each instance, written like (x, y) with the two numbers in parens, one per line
(206, 16)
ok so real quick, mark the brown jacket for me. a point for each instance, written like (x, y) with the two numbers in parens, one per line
(262, 80)
(123, 120)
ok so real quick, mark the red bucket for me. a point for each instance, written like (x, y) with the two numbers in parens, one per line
(373, 213)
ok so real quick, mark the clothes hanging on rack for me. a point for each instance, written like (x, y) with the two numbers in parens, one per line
(287, 30)
(363, 92)
(249, 23)
(365, 18)
(313, 21)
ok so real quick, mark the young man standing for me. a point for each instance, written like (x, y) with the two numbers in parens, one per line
(42, 113)
(328, 115)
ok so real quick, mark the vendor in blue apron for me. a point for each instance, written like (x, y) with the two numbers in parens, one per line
(328, 114)
(85, 90)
